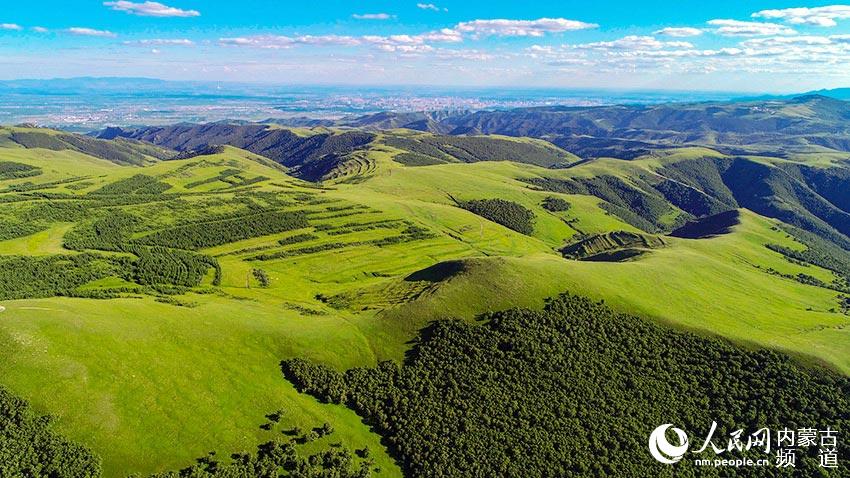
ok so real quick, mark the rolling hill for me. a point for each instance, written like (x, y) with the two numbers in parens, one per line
(147, 305)
(322, 154)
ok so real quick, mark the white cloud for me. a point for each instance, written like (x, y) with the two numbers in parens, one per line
(90, 32)
(276, 42)
(749, 29)
(162, 41)
(323, 40)
(388, 43)
(446, 35)
(540, 49)
(430, 6)
(679, 32)
(150, 9)
(782, 41)
(385, 43)
(522, 28)
(818, 16)
(406, 48)
(471, 55)
(11, 26)
(372, 16)
(634, 42)
(40, 29)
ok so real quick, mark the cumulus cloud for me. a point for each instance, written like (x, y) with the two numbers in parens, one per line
(150, 9)
(522, 28)
(90, 32)
(679, 32)
(40, 29)
(818, 16)
(372, 16)
(11, 26)
(748, 29)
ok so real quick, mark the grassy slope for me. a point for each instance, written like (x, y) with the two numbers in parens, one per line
(710, 285)
(151, 386)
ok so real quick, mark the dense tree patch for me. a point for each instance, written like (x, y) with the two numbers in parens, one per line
(13, 170)
(297, 238)
(435, 149)
(160, 265)
(555, 204)
(223, 231)
(24, 276)
(507, 213)
(30, 448)
(11, 228)
(138, 184)
(574, 391)
(416, 159)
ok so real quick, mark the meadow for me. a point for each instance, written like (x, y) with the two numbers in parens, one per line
(215, 268)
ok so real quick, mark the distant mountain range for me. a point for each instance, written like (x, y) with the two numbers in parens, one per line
(86, 104)
(776, 127)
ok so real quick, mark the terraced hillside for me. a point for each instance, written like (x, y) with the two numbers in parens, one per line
(147, 306)
(323, 154)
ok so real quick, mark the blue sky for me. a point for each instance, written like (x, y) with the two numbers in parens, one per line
(687, 45)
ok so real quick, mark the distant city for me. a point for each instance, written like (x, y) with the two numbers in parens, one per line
(85, 104)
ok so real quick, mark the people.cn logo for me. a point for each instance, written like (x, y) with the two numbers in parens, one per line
(664, 451)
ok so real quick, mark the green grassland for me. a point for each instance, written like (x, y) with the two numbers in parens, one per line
(158, 375)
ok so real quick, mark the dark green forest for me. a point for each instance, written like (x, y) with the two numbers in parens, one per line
(507, 213)
(555, 204)
(29, 448)
(426, 150)
(13, 170)
(575, 390)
